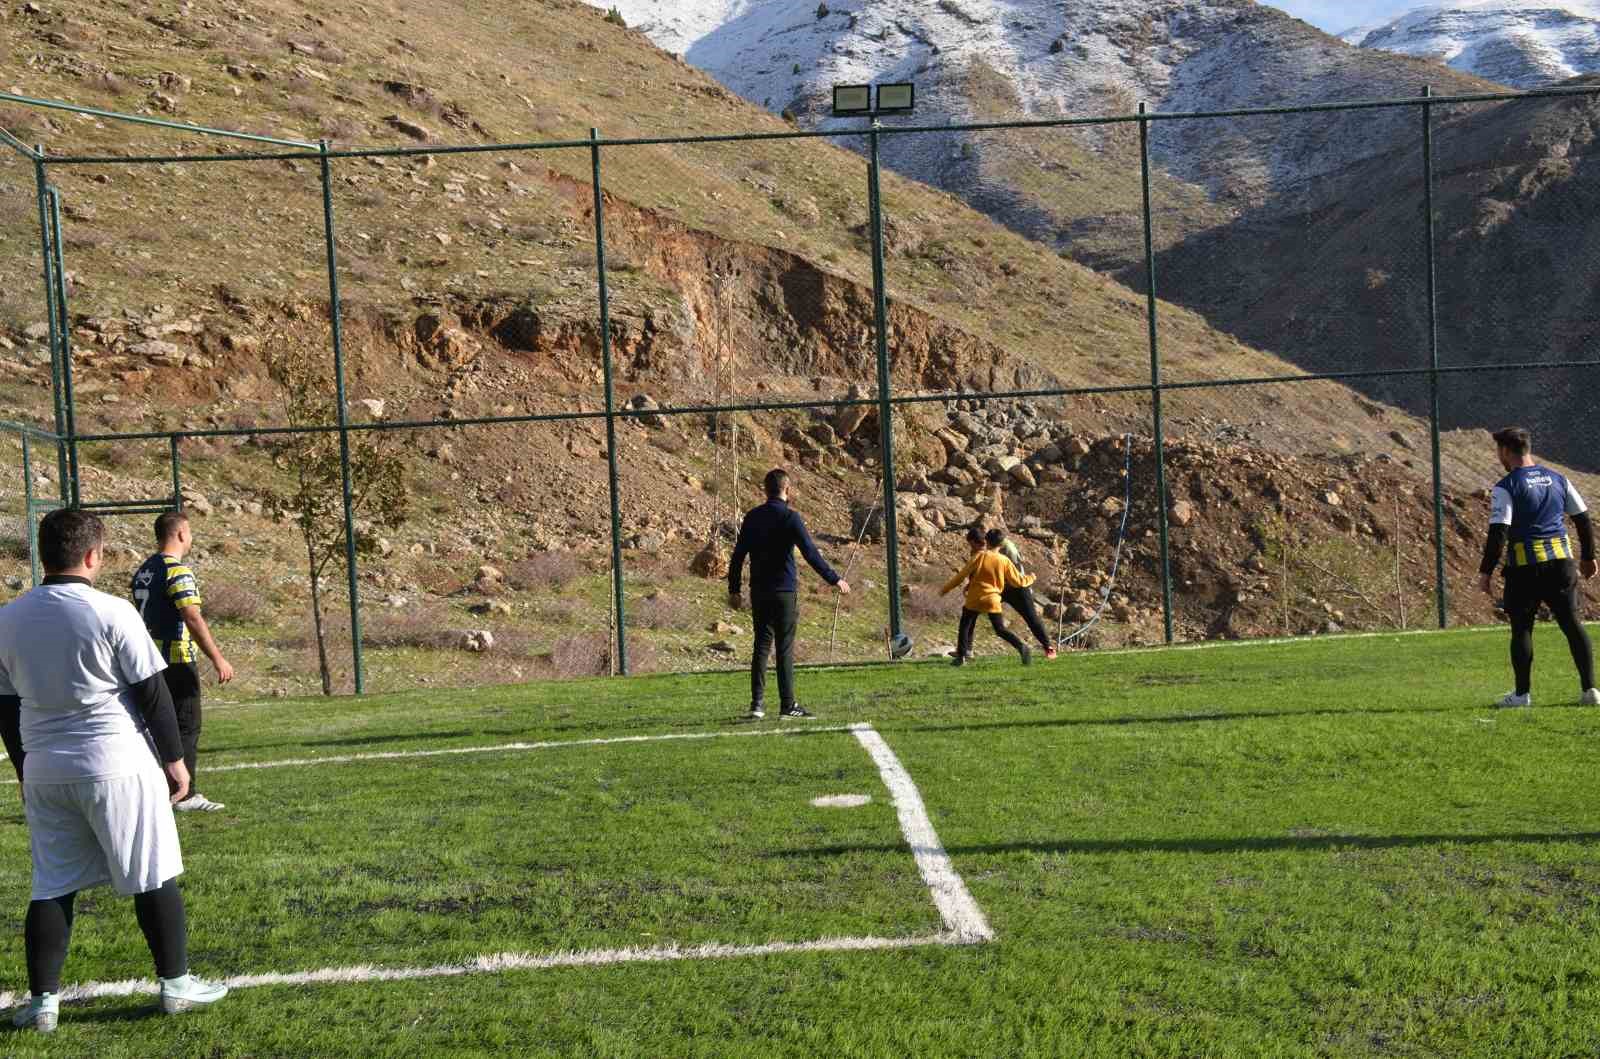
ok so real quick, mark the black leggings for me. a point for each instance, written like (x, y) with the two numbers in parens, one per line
(969, 624)
(48, 928)
(1555, 585)
(1021, 601)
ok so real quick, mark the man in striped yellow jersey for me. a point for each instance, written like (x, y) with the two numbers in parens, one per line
(1528, 525)
(168, 598)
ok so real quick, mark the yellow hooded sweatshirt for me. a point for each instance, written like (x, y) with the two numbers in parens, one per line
(988, 574)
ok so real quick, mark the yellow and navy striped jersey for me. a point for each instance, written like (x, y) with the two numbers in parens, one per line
(162, 587)
(1533, 503)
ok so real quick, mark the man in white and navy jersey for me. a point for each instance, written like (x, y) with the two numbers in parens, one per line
(88, 723)
(1528, 525)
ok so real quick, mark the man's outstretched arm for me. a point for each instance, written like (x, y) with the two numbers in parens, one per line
(808, 549)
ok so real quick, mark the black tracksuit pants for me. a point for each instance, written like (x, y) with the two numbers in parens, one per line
(776, 617)
(1555, 585)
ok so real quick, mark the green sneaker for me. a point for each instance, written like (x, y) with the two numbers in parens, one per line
(181, 994)
(39, 1013)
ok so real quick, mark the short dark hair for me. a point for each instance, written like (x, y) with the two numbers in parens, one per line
(994, 537)
(1514, 440)
(975, 535)
(167, 524)
(66, 536)
(776, 482)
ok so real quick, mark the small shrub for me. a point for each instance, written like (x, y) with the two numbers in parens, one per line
(543, 570)
(614, 17)
(660, 611)
(110, 84)
(924, 603)
(342, 128)
(585, 655)
(428, 628)
(227, 602)
(14, 547)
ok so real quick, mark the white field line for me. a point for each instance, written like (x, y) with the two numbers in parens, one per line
(961, 914)
(505, 748)
(964, 920)
(512, 961)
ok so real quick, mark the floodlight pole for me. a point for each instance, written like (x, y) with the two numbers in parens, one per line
(1155, 376)
(27, 507)
(73, 494)
(335, 314)
(177, 475)
(46, 257)
(611, 404)
(880, 307)
(1441, 587)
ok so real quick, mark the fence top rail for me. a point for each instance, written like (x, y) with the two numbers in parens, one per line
(18, 146)
(39, 433)
(160, 123)
(897, 400)
(310, 150)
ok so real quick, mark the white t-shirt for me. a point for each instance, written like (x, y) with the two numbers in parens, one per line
(71, 653)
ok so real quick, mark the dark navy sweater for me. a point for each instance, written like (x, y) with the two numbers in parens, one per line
(769, 536)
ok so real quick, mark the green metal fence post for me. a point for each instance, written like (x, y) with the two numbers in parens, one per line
(880, 317)
(177, 476)
(1442, 590)
(611, 406)
(1155, 375)
(46, 256)
(64, 336)
(335, 313)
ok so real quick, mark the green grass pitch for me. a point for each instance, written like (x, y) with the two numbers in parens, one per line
(1329, 848)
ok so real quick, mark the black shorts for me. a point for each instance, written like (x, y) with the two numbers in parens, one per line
(183, 683)
(1553, 584)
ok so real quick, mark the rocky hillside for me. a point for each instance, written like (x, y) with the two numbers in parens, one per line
(1524, 43)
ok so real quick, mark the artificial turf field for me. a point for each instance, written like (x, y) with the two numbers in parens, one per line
(1320, 848)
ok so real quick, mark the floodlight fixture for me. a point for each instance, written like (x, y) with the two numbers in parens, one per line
(852, 100)
(897, 98)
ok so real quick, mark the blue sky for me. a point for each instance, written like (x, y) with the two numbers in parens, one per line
(1338, 15)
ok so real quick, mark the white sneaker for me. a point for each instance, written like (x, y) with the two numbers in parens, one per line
(198, 803)
(1513, 701)
(181, 994)
(39, 1013)
(1590, 698)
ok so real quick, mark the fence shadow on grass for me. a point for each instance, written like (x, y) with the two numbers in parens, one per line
(1176, 718)
(1246, 844)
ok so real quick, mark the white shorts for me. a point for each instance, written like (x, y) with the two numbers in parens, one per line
(93, 832)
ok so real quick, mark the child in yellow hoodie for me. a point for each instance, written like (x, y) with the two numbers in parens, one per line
(987, 574)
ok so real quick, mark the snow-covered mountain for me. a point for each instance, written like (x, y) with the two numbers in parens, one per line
(1524, 43)
(988, 59)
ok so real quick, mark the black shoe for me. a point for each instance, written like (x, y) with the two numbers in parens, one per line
(958, 661)
(1027, 657)
(797, 712)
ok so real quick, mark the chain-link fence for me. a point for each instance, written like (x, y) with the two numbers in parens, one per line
(1270, 426)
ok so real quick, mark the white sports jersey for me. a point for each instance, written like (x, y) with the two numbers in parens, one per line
(71, 653)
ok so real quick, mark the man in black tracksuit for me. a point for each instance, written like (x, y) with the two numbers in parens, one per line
(769, 536)
(1528, 516)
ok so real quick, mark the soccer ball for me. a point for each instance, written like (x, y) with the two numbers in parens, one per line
(900, 646)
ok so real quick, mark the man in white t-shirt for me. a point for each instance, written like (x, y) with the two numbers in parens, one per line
(89, 725)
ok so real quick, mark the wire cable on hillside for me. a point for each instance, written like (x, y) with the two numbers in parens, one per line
(838, 597)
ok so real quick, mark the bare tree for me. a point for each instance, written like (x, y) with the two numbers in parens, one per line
(314, 490)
